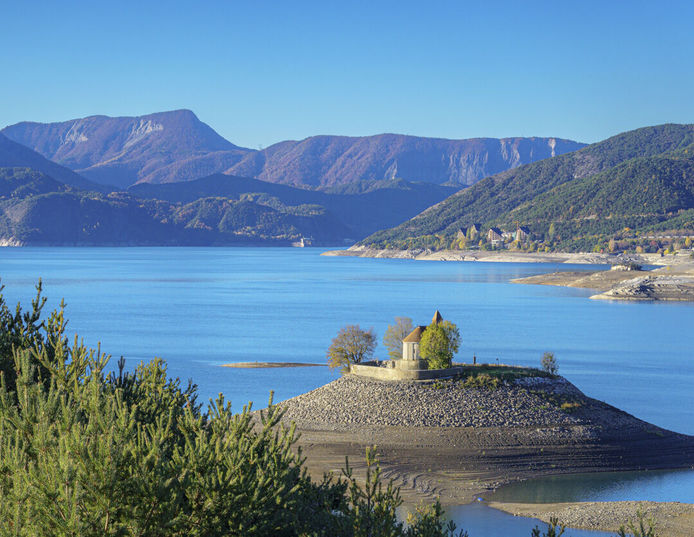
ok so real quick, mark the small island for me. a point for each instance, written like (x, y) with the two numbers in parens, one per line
(470, 428)
(266, 365)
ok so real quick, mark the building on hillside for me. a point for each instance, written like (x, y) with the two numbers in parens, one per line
(522, 234)
(411, 366)
(460, 234)
(410, 345)
(508, 235)
(494, 236)
(303, 242)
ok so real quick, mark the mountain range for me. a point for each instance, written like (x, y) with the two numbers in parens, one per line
(168, 178)
(638, 180)
(176, 146)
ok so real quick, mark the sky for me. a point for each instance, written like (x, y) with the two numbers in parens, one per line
(261, 72)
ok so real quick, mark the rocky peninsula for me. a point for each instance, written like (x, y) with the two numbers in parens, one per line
(674, 281)
(450, 439)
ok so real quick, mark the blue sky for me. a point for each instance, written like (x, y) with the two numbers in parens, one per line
(261, 72)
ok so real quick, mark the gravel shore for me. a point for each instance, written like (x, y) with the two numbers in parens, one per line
(669, 283)
(529, 402)
(443, 439)
(672, 519)
(509, 256)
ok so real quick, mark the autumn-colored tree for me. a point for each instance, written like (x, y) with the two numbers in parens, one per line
(439, 343)
(392, 339)
(551, 233)
(351, 345)
(549, 363)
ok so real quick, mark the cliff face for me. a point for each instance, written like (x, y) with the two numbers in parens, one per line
(123, 150)
(322, 161)
(176, 146)
(632, 180)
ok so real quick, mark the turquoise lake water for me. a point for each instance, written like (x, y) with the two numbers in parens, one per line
(199, 308)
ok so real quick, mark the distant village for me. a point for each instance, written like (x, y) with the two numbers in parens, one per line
(496, 237)
(555, 238)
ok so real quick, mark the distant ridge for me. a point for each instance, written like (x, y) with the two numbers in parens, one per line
(362, 207)
(322, 161)
(14, 155)
(217, 210)
(176, 146)
(161, 147)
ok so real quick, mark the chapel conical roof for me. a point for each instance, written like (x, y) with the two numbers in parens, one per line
(437, 317)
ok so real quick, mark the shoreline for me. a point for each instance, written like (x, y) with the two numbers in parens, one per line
(507, 256)
(672, 519)
(673, 281)
(495, 438)
(265, 365)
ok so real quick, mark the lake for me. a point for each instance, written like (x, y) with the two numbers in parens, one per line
(199, 308)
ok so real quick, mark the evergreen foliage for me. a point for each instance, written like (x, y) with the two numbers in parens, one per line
(83, 453)
(643, 527)
(88, 453)
(554, 529)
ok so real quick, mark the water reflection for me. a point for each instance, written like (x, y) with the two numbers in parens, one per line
(480, 520)
(657, 486)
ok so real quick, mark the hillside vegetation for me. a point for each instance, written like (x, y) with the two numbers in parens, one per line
(14, 155)
(622, 188)
(362, 207)
(218, 210)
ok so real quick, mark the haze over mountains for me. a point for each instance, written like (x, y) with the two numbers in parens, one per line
(176, 146)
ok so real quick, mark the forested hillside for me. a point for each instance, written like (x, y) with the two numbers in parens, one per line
(36, 209)
(640, 180)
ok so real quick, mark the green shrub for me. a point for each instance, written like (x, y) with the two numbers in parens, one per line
(87, 453)
(483, 380)
(643, 527)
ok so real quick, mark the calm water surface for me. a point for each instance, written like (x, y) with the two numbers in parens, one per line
(656, 486)
(199, 308)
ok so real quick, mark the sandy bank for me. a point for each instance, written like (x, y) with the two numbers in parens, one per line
(508, 256)
(673, 282)
(473, 255)
(259, 365)
(673, 519)
(442, 439)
